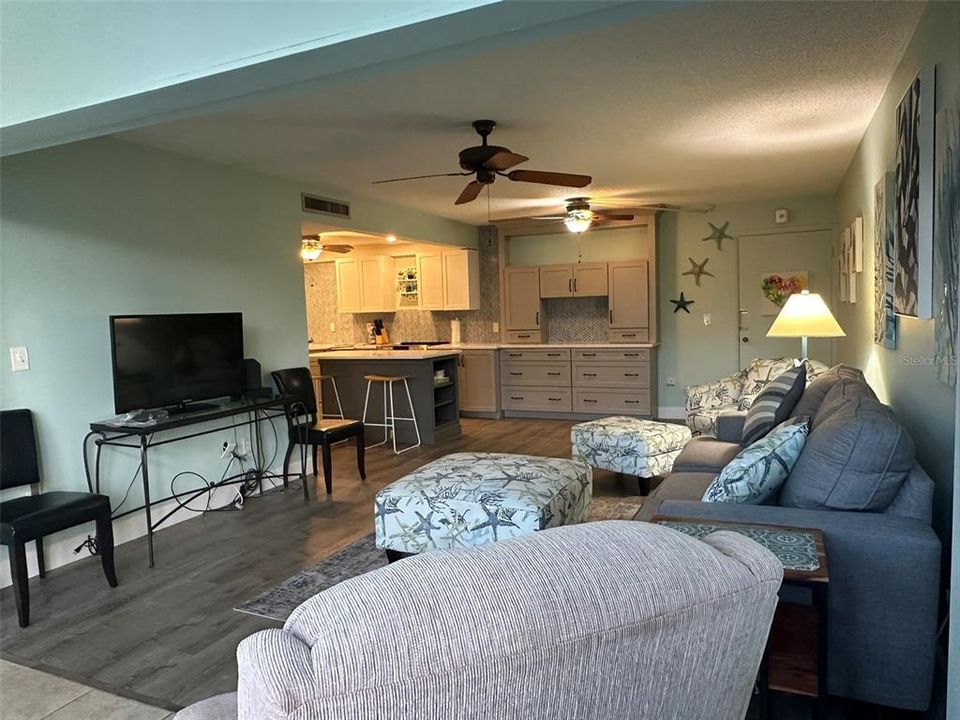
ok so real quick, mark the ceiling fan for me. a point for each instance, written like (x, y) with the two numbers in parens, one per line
(485, 162)
(579, 216)
(311, 246)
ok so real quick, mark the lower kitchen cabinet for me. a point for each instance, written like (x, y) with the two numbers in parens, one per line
(479, 381)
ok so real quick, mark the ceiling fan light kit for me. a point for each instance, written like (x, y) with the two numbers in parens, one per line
(485, 162)
(312, 247)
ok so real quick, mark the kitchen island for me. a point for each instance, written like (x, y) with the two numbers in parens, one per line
(436, 404)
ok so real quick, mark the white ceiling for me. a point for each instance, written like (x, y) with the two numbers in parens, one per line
(714, 102)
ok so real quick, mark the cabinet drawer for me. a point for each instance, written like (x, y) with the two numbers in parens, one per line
(522, 336)
(551, 355)
(539, 399)
(612, 401)
(535, 374)
(598, 355)
(591, 375)
(637, 335)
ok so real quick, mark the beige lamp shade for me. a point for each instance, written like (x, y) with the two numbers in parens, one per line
(805, 314)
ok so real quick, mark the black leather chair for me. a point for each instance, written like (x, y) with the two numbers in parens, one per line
(304, 425)
(34, 516)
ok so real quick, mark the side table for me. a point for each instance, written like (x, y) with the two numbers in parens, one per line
(804, 558)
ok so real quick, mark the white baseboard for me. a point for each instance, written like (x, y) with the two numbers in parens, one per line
(58, 549)
(671, 413)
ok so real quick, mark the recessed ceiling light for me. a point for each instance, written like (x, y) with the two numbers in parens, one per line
(391, 238)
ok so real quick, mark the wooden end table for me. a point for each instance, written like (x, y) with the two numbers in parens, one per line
(790, 665)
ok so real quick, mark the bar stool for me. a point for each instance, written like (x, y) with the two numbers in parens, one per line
(389, 418)
(336, 394)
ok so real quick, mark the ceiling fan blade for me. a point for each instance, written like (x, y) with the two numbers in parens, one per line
(337, 248)
(419, 177)
(550, 178)
(469, 193)
(611, 216)
(504, 160)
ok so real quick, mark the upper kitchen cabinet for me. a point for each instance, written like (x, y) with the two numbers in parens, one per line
(521, 304)
(629, 292)
(580, 280)
(449, 280)
(365, 285)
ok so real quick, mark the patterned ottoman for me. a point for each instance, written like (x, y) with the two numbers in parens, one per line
(645, 448)
(475, 498)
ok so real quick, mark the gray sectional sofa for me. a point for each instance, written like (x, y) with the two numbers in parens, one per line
(858, 482)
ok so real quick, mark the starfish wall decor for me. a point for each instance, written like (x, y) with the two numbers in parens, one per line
(682, 304)
(698, 269)
(718, 233)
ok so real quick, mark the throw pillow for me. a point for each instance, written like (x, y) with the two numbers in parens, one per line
(774, 403)
(755, 475)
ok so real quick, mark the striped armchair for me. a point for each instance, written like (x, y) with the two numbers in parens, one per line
(705, 402)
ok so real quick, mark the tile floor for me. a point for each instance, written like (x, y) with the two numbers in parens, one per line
(28, 694)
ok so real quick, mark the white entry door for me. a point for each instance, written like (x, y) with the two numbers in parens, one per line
(769, 266)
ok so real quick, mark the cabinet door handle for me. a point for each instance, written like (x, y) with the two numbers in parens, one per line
(516, 354)
(570, 285)
(589, 401)
(553, 354)
(611, 317)
(631, 374)
(516, 373)
(632, 402)
(550, 373)
(554, 399)
(629, 334)
(538, 318)
(589, 374)
(574, 285)
(589, 354)
(631, 354)
(515, 397)
(523, 336)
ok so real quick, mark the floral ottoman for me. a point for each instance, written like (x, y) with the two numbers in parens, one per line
(475, 498)
(645, 448)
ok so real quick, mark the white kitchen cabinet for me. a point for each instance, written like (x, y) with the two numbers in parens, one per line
(479, 379)
(580, 280)
(629, 291)
(521, 289)
(449, 280)
(366, 285)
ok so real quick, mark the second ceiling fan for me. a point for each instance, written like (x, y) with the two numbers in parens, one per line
(485, 162)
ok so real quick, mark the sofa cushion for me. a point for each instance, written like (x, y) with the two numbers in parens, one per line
(845, 391)
(706, 454)
(678, 486)
(809, 403)
(754, 477)
(856, 457)
(774, 403)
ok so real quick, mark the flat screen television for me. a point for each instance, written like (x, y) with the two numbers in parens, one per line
(174, 360)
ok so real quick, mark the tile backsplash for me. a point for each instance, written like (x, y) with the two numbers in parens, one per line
(405, 325)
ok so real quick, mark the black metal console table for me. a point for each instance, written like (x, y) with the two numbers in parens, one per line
(142, 436)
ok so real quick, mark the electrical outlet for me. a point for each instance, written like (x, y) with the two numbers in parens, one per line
(228, 450)
(19, 360)
(496, 327)
(333, 327)
(671, 382)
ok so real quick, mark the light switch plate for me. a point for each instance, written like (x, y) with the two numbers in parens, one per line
(19, 360)
(333, 327)
(707, 319)
(496, 327)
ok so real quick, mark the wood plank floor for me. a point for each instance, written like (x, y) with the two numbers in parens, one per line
(167, 636)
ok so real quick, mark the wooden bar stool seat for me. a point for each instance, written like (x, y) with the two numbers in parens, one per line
(390, 416)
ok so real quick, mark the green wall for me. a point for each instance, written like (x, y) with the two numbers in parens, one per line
(690, 351)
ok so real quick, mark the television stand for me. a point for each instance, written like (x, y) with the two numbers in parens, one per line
(189, 407)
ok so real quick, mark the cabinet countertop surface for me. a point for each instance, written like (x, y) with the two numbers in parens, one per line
(362, 353)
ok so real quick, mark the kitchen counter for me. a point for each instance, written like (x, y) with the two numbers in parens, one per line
(383, 354)
(515, 346)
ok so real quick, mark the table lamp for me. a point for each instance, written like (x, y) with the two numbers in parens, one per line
(805, 315)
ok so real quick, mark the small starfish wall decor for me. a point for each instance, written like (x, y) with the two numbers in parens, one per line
(682, 304)
(718, 233)
(698, 269)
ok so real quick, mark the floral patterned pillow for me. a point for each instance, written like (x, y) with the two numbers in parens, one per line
(755, 475)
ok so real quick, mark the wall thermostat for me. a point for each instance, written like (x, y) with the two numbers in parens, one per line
(781, 215)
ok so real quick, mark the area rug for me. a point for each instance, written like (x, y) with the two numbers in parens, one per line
(363, 556)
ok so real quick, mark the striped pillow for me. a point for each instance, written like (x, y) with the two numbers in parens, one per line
(774, 403)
